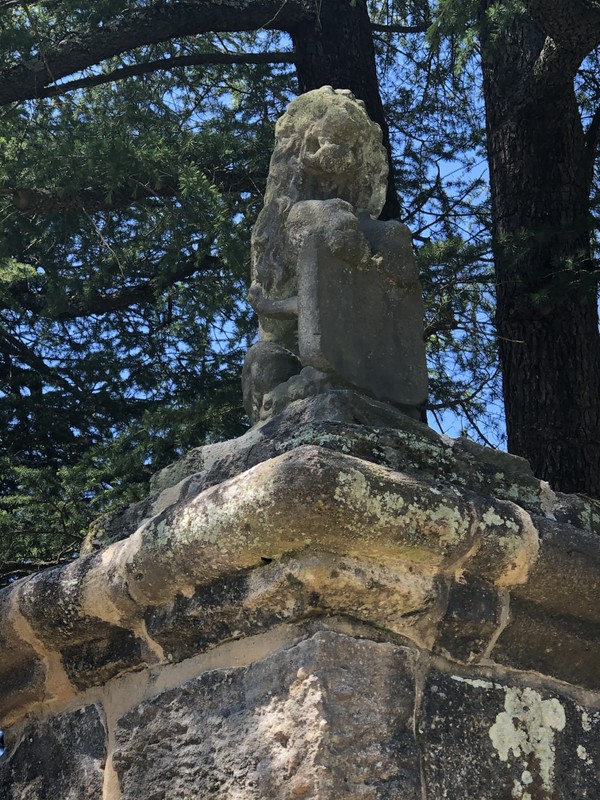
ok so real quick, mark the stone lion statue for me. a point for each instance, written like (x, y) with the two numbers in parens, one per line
(327, 148)
(336, 290)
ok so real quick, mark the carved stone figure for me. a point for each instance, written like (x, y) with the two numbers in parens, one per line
(330, 283)
(266, 366)
(326, 148)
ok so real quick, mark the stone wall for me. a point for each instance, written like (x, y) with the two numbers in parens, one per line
(340, 604)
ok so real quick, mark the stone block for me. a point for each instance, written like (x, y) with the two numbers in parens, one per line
(329, 718)
(363, 325)
(60, 758)
(92, 650)
(565, 579)
(342, 420)
(487, 739)
(578, 510)
(306, 586)
(22, 671)
(472, 617)
(557, 645)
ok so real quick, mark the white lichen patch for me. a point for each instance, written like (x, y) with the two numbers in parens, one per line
(492, 518)
(526, 728)
(583, 754)
(514, 542)
(526, 777)
(438, 522)
(547, 499)
(518, 792)
(585, 517)
(343, 443)
(588, 720)
(585, 721)
(209, 522)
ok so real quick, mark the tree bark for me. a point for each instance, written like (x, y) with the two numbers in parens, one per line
(337, 50)
(547, 318)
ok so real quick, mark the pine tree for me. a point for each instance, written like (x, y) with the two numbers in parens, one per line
(134, 148)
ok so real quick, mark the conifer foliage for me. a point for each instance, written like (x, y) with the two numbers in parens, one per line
(134, 145)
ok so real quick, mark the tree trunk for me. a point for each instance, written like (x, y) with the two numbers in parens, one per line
(338, 51)
(547, 318)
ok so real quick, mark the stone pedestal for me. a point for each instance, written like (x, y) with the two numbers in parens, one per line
(339, 604)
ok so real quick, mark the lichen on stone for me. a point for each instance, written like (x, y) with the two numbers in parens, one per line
(526, 729)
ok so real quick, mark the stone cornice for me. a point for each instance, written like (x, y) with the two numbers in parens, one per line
(311, 532)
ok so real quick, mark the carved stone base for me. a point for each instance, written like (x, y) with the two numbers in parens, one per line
(339, 604)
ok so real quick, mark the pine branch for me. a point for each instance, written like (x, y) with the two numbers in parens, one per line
(12, 570)
(423, 27)
(156, 23)
(439, 326)
(14, 347)
(167, 64)
(37, 200)
(106, 303)
(460, 402)
(20, 3)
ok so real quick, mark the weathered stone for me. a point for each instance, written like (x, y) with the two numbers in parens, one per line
(578, 510)
(473, 616)
(485, 739)
(326, 147)
(560, 645)
(345, 421)
(362, 324)
(498, 460)
(22, 671)
(566, 575)
(509, 543)
(99, 617)
(288, 616)
(553, 626)
(324, 717)
(315, 585)
(62, 757)
(338, 420)
(92, 612)
(308, 382)
(330, 281)
(92, 648)
(309, 539)
(337, 416)
(310, 498)
(339, 513)
(266, 365)
(314, 721)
